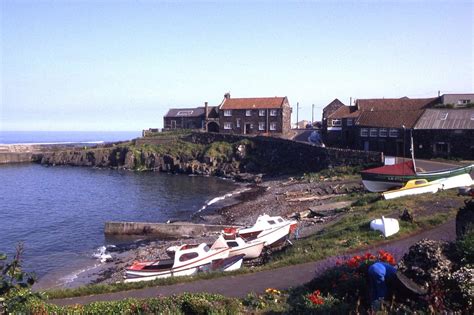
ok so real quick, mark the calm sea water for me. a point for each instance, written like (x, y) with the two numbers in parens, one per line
(59, 212)
(11, 137)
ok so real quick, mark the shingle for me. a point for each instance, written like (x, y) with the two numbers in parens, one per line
(253, 103)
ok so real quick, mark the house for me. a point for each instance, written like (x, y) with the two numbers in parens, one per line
(189, 118)
(445, 132)
(259, 115)
(329, 110)
(457, 100)
(376, 124)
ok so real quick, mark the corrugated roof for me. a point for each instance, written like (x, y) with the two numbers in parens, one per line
(446, 119)
(253, 103)
(186, 112)
(389, 118)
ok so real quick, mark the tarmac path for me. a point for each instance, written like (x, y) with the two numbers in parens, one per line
(280, 278)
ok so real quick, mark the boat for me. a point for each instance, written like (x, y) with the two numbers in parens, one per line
(271, 230)
(386, 177)
(413, 187)
(250, 249)
(387, 226)
(463, 180)
(226, 264)
(186, 262)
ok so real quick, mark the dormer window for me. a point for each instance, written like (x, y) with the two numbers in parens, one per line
(184, 113)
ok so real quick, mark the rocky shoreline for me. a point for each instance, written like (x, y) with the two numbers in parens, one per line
(274, 196)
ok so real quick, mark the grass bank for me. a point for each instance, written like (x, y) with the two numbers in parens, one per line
(348, 233)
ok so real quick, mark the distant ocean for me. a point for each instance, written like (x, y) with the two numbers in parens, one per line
(52, 137)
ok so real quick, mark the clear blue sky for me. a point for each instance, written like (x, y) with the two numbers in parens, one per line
(119, 65)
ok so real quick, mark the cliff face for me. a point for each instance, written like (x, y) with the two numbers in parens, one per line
(145, 158)
(213, 154)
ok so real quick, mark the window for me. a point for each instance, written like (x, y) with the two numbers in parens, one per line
(349, 122)
(227, 125)
(373, 132)
(472, 116)
(232, 244)
(461, 102)
(238, 123)
(280, 220)
(273, 112)
(261, 125)
(273, 126)
(173, 124)
(271, 222)
(248, 112)
(382, 132)
(228, 112)
(184, 113)
(261, 112)
(364, 132)
(188, 256)
(393, 133)
(336, 122)
(443, 116)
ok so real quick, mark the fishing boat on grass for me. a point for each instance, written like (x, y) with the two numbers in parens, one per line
(413, 187)
(250, 249)
(394, 176)
(187, 261)
(271, 230)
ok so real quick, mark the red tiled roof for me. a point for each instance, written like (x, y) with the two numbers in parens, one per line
(253, 103)
(404, 103)
(389, 118)
(345, 112)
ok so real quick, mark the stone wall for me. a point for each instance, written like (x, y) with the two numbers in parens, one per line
(276, 154)
(6, 158)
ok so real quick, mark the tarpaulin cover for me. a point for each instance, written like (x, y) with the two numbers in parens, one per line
(405, 168)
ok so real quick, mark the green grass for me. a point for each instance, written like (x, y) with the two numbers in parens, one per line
(341, 172)
(350, 232)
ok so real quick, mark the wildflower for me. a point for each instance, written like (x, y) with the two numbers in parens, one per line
(315, 298)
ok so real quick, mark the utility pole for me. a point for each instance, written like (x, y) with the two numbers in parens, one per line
(297, 114)
(312, 115)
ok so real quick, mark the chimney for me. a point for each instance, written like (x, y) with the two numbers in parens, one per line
(206, 115)
(439, 93)
(227, 95)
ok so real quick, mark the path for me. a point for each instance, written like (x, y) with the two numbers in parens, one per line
(281, 278)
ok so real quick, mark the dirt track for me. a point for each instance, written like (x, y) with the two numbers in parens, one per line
(281, 278)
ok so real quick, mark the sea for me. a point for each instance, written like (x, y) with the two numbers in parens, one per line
(58, 213)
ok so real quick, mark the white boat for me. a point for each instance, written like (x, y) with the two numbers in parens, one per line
(225, 264)
(463, 180)
(387, 226)
(271, 230)
(186, 262)
(250, 249)
(237, 245)
(413, 187)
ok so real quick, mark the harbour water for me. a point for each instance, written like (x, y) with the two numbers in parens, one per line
(59, 212)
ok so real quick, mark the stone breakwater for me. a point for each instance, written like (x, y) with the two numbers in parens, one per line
(213, 154)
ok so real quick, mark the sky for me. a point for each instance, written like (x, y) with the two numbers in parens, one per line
(119, 65)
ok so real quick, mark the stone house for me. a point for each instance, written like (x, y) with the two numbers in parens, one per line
(259, 115)
(187, 118)
(445, 132)
(329, 110)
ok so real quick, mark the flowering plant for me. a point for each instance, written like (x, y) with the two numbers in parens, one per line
(316, 298)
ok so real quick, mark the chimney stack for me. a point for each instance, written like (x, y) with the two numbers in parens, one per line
(227, 95)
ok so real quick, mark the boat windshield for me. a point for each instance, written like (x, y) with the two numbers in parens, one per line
(271, 222)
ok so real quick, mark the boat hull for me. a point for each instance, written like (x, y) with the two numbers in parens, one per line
(431, 188)
(377, 182)
(250, 251)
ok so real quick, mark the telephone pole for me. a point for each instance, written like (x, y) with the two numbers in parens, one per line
(312, 114)
(297, 113)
